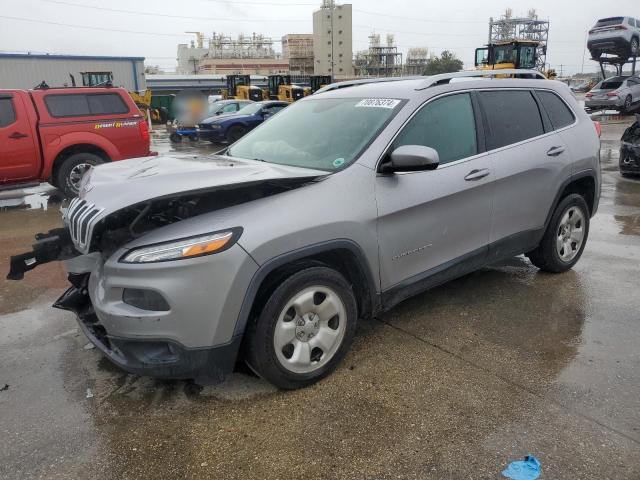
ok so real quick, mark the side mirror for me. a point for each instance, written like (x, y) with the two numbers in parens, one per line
(412, 158)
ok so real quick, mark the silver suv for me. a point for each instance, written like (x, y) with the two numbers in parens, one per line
(337, 208)
(615, 35)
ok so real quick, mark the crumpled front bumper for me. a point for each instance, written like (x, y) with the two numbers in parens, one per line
(158, 358)
(194, 339)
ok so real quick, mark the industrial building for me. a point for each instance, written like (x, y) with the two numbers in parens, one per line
(333, 40)
(379, 60)
(252, 54)
(23, 70)
(416, 61)
(297, 48)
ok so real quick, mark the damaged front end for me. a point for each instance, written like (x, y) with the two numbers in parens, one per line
(630, 149)
(144, 338)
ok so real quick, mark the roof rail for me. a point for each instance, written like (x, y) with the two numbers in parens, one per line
(444, 78)
(363, 81)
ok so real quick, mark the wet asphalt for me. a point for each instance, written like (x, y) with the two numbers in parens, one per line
(452, 384)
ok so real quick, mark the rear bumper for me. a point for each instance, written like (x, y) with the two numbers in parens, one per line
(608, 42)
(613, 102)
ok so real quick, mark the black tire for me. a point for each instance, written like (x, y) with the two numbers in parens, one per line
(546, 256)
(68, 174)
(175, 138)
(235, 133)
(260, 352)
(628, 104)
(193, 138)
(595, 54)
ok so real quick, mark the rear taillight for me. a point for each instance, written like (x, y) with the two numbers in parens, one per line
(598, 128)
(589, 95)
(612, 94)
(619, 27)
(144, 129)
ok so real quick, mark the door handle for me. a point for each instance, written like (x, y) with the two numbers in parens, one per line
(555, 151)
(17, 135)
(477, 174)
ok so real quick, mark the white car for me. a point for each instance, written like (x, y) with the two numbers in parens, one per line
(615, 35)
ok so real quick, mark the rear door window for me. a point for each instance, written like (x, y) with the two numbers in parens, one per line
(447, 125)
(512, 116)
(79, 105)
(558, 112)
(7, 112)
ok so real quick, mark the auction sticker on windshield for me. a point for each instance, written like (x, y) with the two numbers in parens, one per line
(378, 102)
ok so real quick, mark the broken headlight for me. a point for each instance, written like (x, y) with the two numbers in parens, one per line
(184, 248)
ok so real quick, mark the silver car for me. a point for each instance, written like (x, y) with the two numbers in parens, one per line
(339, 207)
(615, 35)
(615, 93)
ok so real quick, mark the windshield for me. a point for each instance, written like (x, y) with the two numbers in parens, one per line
(324, 134)
(250, 109)
(215, 107)
(504, 54)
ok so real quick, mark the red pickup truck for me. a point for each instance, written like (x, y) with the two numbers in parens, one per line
(56, 134)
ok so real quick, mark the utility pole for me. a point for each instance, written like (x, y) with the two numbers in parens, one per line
(584, 48)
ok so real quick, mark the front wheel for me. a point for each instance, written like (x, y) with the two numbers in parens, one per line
(235, 133)
(70, 173)
(565, 238)
(304, 329)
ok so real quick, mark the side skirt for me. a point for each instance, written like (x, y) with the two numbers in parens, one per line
(500, 250)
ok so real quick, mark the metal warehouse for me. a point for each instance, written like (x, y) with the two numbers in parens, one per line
(27, 71)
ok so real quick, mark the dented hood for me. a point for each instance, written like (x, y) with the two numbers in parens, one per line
(120, 184)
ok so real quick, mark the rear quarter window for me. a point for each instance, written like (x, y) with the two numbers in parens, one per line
(7, 112)
(560, 115)
(80, 105)
(512, 116)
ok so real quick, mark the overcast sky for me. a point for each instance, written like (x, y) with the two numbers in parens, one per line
(121, 27)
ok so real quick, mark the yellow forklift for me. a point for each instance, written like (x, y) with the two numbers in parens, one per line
(281, 88)
(316, 82)
(510, 54)
(239, 88)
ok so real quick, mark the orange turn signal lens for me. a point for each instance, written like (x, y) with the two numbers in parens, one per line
(209, 246)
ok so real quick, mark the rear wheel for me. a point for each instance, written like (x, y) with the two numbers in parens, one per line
(175, 138)
(235, 133)
(70, 173)
(628, 104)
(635, 47)
(304, 329)
(565, 238)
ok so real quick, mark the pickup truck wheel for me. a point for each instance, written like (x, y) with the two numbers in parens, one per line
(565, 238)
(235, 133)
(304, 330)
(175, 138)
(71, 171)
